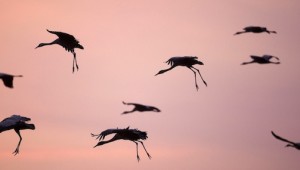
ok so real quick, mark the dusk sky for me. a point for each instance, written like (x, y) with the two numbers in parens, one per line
(224, 126)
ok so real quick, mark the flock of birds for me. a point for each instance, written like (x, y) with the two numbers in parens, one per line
(69, 42)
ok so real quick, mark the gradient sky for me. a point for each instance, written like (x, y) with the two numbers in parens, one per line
(225, 126)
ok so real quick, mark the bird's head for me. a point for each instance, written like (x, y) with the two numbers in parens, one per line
(160, 72)
(99, 144)
(40, 45)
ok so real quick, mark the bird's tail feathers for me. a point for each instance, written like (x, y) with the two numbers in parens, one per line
(79, 46)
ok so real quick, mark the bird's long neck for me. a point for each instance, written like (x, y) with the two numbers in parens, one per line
(244, 63)
(51, 43)
(116, 137)
(163, 71)
(274, 32)
(241, 32)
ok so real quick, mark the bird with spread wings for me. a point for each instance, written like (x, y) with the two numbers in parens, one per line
(17, 123)
(133, 135)
(68, 42)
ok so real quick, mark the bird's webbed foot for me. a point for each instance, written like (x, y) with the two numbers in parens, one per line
(138, 158)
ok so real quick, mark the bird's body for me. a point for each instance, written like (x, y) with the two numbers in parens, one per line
(290, 143)
(68, 42)
(17, 123)
(187, 61)
(255, 29)
(140, 108)
(133, 135)
(8, 79)
(265, 59)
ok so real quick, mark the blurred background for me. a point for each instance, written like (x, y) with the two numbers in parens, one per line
(223, 126)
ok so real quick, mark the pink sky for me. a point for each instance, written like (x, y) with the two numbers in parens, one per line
(225, 126)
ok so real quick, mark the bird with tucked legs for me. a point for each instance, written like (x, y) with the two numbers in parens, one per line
(17, 123)
(68, 42)
(8, 79)
(265, 59)
(186, 61)
(133, 135)
(255, 29)
(290, 143)
(140, 108)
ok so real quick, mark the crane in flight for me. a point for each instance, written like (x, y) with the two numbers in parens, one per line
(8, 79)
(255, 29)
(68, 42)
(140, 108)
(290, 143)
(133, 135)
(265, 59)
(17, 123)
(186, 61)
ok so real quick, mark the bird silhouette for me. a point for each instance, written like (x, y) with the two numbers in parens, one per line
(291, 144)
(265, 59)
(140, 108)
(8, 79)
(255, 29)
(68, 42)
(17, 123)
(133, 135)
(187, 61)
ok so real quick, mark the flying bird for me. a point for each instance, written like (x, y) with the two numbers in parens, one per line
(140, 108)
(290, 144)
(265, 59)
(68, 42)
(255, 29)
(8, 79)
(187, 61)
(133, 135)
(17, 123)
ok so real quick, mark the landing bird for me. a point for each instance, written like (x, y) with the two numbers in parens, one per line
(17, 123)
(265, 59)
(140, 108)
(8, 79)
(291, 144)
(255, 29)
(133, 135)
(187, 61)
(67, 41)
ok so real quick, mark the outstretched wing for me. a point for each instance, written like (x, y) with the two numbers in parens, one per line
(177, 60)
(268, 57)
(64, 36)
(11, 122)
(254, 57)
(280, 138)
(102, 135)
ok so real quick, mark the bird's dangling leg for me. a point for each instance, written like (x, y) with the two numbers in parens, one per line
(195, 78)
(17, 149)
(200, 75)
(75, 62)
(149, 156)
(137, 151)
